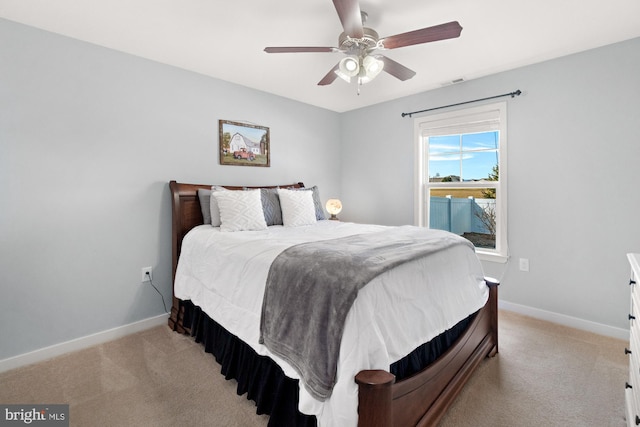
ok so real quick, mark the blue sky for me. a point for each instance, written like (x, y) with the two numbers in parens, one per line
(471, 156)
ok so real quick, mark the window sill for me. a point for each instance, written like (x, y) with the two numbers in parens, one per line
(492, 257)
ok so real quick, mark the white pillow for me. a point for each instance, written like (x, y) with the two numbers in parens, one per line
(297, 207)
(240, 210)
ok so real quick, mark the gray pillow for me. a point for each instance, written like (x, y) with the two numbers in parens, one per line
(209, 206)
(205, 204)
(316, 201)
(271, 206)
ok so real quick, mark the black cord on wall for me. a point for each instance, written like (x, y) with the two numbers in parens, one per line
(159, 293)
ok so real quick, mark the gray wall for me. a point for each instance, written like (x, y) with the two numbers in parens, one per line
(89, 139)
(573, 189)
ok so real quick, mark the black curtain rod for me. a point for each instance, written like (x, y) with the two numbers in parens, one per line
(512, 94)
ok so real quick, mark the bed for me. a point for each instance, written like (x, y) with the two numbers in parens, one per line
(426, 378)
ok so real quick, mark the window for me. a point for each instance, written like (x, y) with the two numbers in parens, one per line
(461, 176)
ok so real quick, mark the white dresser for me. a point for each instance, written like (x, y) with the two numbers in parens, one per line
(632, 392)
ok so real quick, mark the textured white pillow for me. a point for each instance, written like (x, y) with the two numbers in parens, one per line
(297, 207)
(240, 210)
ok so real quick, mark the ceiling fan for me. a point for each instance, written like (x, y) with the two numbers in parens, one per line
(360, 45)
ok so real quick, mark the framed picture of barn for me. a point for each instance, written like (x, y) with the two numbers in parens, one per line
(243, 144)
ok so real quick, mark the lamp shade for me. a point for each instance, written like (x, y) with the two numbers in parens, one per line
(334, 207)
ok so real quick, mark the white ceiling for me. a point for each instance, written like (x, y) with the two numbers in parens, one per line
(225, 39)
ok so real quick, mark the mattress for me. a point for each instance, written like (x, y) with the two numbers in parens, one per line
(224, 273)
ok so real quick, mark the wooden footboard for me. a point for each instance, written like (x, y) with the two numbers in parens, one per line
(422, 399)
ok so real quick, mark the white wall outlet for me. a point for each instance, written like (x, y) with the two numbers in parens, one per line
(524, 264)
(147, 277)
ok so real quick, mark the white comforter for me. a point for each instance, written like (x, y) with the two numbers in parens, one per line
(224, 273)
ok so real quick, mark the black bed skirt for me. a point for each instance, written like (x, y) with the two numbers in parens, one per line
(264, 381)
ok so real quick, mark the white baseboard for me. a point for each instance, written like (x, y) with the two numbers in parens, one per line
(121, 331)
(562, 319)
(81, 343)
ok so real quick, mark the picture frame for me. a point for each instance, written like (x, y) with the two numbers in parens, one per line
(244, 144)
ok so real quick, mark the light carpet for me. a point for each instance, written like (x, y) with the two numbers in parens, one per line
(544, 375)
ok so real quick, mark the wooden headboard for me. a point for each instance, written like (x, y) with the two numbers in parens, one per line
(186, 214)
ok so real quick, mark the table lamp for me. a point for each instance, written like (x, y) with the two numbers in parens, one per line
(334, 207)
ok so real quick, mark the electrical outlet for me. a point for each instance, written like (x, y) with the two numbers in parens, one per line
(147, 274)
(524, 264)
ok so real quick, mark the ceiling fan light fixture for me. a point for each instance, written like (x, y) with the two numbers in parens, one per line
(359, 43)
(371, 67)
(349, 66)
(343, 76)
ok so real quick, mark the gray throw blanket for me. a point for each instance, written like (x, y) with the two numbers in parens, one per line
(312, 286)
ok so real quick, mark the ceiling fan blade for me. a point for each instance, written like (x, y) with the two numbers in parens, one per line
(396, 69)
(299, 49)
(350, 17)
(330, 77)
(450, 30)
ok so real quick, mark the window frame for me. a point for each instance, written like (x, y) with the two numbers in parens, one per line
(486, 117)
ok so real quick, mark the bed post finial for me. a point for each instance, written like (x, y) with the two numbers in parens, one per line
(374, 398)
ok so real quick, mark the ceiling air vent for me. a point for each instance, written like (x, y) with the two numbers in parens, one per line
(453, 82)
